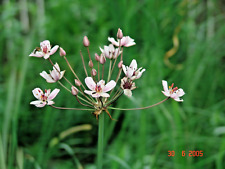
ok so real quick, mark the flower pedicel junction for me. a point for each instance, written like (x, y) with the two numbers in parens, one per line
(97, 93)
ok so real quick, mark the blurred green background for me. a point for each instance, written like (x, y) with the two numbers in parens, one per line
(181, 41)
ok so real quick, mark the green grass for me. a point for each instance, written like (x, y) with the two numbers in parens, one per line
(139, 139)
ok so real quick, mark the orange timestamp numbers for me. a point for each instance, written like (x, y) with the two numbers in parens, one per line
(194, 153)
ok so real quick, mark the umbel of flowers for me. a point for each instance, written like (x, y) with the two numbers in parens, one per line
(96, 92)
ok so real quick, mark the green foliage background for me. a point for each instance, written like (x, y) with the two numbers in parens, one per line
(30, 137)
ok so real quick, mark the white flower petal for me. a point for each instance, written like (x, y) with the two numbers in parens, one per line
(46, 56)
(167, 94)
(178, 99)
(36, 102)
(112, 40)
(127, 92)
(41, 105)
(95, 95)
(130, 72)
(180, 92)
(88, 92)
(90, 83)
(37, 54)
(133, 65)
(54, 49)
(47, 77)
(104, 94)
(53, 94)
(165, 85)
(50, 102)
(124, 69)
(62, 74)
(37, 92)
(109, 86)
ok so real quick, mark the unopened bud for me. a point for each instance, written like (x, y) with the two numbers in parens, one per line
(86, 41)
(102, 59)
(120, 64)
(90, 64)
(97, 58)
(119, 34)
(93, 72)
(62, 52)
(74, 90)
(77, 82)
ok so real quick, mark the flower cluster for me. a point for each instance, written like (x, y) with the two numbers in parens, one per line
(102, 91)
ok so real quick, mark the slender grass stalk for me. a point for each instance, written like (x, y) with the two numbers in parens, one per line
(100, 141)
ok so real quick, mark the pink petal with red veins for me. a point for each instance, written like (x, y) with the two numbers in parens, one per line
(37, 92)
(54, 49)
(109, 86)
(53, 94)
(90, 83)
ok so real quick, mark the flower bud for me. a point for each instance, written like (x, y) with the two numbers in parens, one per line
(119, 34)
(102, 59)
(62, 52)
(86, 41)
(77, 82)
(97, 58)
(93, 72)
(90, 64)
(120, 64)
(74, 90)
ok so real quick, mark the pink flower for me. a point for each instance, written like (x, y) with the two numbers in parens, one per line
(125, 41)
(110, 52)
(54, 75)
(99, 89)
(44, 98)
(132, 72)
(174, 93)
(45, 50)
(127, 85)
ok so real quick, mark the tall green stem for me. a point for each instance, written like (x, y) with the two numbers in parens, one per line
(100, 141)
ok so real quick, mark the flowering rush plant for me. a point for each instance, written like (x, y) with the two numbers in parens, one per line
(96, 91)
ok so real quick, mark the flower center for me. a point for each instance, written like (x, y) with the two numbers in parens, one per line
(43, 98)
(127, 85)
(171, 89)
(45, 49)
(98, 88)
